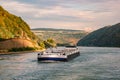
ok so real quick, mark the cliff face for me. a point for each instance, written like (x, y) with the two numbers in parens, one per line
(105, 37)
(12, 26)
(16, 43)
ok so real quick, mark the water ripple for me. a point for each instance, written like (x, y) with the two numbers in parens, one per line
(93, 64)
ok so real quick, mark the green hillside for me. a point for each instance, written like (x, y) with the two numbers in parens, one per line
(61, 36)
(12, 26)
(105, 37)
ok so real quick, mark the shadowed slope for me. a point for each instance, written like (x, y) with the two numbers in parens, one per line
(105, 37)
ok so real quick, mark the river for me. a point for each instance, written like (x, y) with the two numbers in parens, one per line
(94, 63)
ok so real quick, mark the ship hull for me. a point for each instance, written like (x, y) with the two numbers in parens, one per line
(72, 56)
(51, 59)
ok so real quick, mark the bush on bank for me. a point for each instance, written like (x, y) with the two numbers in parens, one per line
(22, 49)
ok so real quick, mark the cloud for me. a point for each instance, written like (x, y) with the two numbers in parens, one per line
(57, 11)
(19, 7)
(73, 14)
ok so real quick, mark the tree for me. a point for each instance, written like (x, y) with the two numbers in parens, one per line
(49, 43)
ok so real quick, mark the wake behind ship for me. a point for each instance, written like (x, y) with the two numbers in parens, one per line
(58, 54)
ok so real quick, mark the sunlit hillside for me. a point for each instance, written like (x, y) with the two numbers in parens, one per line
(13, 27)
(61, 36)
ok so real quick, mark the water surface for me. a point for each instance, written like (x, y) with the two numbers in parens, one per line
(93, 64)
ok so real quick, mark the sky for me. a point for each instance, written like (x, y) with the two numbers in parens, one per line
(86, 15)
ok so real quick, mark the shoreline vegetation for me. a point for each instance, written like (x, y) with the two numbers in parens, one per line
(20, 50)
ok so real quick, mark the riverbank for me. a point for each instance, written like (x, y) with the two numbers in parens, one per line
(19, 52)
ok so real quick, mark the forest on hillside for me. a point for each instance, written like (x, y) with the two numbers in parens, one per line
(108, 36)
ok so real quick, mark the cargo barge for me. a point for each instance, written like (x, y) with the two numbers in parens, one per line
(57, 54)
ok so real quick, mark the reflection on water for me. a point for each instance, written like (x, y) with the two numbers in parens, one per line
(92, 64)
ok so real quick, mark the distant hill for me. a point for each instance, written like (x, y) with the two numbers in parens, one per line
(61, 36)
(12, 26)
(53, 29)
(108, 36)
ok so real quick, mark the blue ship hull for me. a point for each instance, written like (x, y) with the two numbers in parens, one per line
(52, 59)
